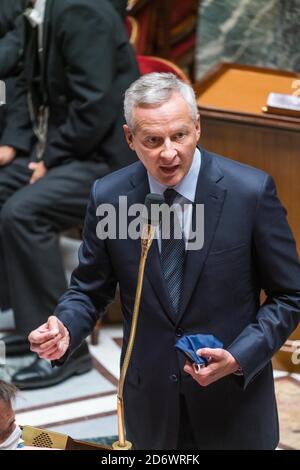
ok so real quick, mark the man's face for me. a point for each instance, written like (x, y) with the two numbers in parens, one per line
(165, 138)
(7, 420)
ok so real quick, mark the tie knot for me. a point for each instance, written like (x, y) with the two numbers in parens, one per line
(170, 195)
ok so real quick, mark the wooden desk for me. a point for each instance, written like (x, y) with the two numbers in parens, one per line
(233, 124)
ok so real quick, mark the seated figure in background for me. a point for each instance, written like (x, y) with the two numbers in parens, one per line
(77, 65)
(11, 51)
(10, 432)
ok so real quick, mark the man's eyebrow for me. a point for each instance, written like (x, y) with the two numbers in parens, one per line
(184, 127)
(155, 132)
(149, 131)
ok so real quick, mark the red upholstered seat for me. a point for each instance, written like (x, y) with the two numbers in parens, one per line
(148, 64)
(167, 28)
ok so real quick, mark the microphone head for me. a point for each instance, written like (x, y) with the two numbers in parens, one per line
(151, 213)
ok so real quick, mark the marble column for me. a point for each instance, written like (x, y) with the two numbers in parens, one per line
(254, 32)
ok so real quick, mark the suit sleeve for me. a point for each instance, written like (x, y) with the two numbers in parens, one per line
(121, 7)
(92, 285)
(278, 268)
(10, 54)
(12, 39)
(87, 42)
(18, 132)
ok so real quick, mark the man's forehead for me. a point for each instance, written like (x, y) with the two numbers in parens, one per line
(157, 129)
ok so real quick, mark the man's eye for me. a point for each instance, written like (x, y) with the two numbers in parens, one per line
(180, 136)
(152, 140)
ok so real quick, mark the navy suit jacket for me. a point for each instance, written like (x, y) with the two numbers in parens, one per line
(248, 246)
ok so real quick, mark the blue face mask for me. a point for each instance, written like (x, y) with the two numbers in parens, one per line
(12, 441)
(189, 345)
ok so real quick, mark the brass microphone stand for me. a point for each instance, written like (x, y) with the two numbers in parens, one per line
(146, 241)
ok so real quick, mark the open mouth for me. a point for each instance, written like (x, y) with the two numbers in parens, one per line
(169, 169)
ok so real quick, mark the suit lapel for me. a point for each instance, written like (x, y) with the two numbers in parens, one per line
(46, 40)
(209, 193)
(212, 196)
(156, 278)
(35, 65)
(153, 270)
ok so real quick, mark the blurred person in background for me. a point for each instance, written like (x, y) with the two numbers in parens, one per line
(77, 66)
(10, 432)
(11, 61)
(11, 41)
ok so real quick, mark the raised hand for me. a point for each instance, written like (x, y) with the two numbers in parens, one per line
(50, 340)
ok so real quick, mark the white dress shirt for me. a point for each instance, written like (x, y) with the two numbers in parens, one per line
(186, 190)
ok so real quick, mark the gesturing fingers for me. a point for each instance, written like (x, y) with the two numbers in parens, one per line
(56, 351)
(46, 345)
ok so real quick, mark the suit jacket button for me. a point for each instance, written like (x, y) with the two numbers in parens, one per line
(174, 378)
(62, 99)
(179, 332)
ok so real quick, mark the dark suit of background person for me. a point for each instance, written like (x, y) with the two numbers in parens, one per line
(120, 6)
(248, 247)
(11, 48)
(11, 52)
(86, 66)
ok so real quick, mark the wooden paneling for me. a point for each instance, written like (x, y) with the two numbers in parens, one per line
(275, 151)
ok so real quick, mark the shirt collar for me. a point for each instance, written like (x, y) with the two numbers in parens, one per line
(36, 14)
(187, 186)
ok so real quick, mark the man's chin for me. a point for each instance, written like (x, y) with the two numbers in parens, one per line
(170, 178)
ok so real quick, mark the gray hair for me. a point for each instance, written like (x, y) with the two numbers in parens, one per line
(155, 89)
(7, 391)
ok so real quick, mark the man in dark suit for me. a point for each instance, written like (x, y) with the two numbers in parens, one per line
(248, 246)
(78, 64)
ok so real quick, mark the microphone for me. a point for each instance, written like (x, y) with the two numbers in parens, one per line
(150, 218)
(43, 438)
(151, 211)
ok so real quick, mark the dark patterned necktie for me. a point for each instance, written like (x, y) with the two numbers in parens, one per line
(172, 255)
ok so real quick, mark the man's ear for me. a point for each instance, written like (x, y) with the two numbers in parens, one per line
(198, 126)
(128, 136)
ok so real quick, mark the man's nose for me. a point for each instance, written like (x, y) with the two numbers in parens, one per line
(169, 151)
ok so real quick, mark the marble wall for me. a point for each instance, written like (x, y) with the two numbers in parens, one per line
(256, 32)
